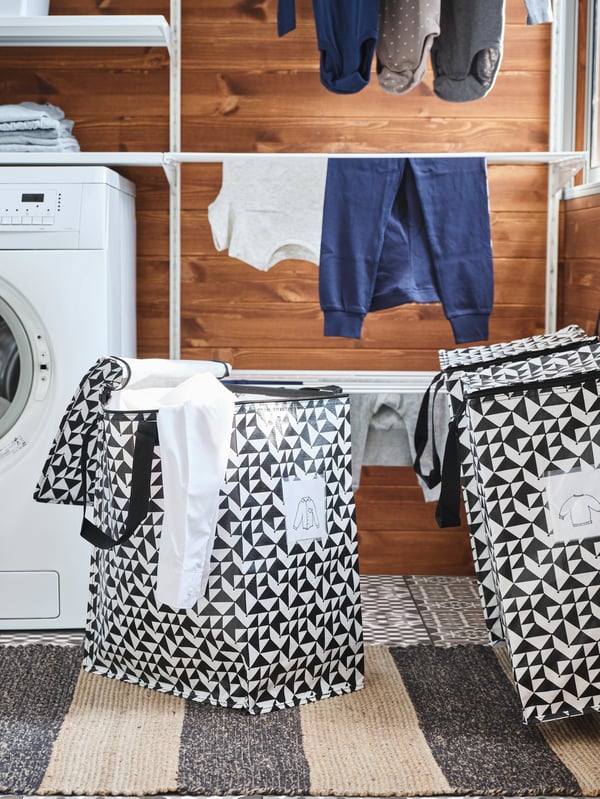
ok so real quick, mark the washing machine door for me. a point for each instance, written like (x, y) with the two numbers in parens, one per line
(16, 368)
(26, 368)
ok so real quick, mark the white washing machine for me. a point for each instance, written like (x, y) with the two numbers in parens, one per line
(67, 297)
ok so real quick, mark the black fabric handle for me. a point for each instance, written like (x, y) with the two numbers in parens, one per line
(447, 512)
(422, 429)
(278, 391)
(146, 438)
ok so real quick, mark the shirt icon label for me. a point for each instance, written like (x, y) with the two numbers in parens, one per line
(574, 505)
(304, 506)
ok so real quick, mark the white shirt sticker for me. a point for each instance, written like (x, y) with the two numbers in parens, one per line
(574, 505)
(304, 502)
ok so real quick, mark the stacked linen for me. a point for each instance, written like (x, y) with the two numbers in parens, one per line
(35, 127)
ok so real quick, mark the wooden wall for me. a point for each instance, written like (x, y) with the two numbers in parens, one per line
(245, 90)
(579, 268)
(580, 262)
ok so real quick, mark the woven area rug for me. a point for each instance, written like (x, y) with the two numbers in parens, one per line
(430, 721)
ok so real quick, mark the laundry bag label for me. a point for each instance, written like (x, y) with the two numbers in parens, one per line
(304, 502)
(574, 504)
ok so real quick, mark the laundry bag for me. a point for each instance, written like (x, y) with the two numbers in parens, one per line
(458, 477)
(279, 623)
(534, 435)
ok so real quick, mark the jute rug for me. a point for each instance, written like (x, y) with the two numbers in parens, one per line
(430, 721)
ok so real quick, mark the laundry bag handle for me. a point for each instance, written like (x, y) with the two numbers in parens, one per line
(447, 512)
(146, 437)
(276, 390)
(423, 429)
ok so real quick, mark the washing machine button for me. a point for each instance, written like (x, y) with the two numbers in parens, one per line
(48, 220)
(6, 220)
(36, 220)
(26, 220)
(15, 220)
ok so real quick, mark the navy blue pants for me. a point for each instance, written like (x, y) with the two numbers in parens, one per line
(399, 230)
(346, 37)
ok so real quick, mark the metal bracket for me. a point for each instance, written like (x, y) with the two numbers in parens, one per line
(562, 172)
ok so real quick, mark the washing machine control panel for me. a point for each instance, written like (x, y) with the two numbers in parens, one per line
(44, 207)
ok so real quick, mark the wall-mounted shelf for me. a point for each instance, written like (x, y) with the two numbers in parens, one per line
(83, 159)
(86, 31)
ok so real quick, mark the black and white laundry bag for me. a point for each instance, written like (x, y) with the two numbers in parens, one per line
(280, 621)
(459, 478)
(534, 437)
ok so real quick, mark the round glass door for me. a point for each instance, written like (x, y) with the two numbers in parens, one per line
(16, 367)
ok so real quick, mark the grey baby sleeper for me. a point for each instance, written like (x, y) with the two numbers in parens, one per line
(407, 29)
(467, 53)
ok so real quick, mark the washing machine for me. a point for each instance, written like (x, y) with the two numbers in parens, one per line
(67, 297)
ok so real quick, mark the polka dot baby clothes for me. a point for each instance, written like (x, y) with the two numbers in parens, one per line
(407, 29)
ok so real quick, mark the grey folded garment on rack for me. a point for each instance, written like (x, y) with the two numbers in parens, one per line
(36, 127)
(383, 431)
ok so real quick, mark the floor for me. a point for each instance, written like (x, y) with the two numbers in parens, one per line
(396, 611)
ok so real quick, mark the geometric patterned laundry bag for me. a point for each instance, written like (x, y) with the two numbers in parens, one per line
(535, 446)
(280, 622)
(456, 364)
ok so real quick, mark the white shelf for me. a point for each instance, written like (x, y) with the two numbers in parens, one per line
(82, 159)
(86, 31)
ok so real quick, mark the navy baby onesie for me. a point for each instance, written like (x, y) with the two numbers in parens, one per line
(346, 37)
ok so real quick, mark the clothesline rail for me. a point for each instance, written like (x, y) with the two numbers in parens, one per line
(351, 382)
(490, 157)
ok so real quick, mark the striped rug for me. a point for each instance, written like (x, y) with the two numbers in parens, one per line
(430, 721)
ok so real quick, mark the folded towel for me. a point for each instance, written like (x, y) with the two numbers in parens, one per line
(22, 136)
(44, 136)
(30, 116)
(35, 127)
(59, 146)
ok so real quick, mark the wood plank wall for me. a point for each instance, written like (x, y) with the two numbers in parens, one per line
(243, 90)
(579, 267)
(579, 272)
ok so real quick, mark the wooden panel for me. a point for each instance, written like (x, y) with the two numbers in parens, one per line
(397, 530)
(365, 135)
(431, 552)
(579, 274)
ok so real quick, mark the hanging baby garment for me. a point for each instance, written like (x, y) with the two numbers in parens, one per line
(466, 55)
(346, 38)
(407, 29)
(383, 432)
(538, 11)
(400, 230)
(270, 209)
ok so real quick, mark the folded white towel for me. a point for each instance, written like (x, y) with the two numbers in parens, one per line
(39, 137)
(59, 146)
(32, 116)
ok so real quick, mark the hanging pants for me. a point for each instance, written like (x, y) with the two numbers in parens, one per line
(399, 230)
